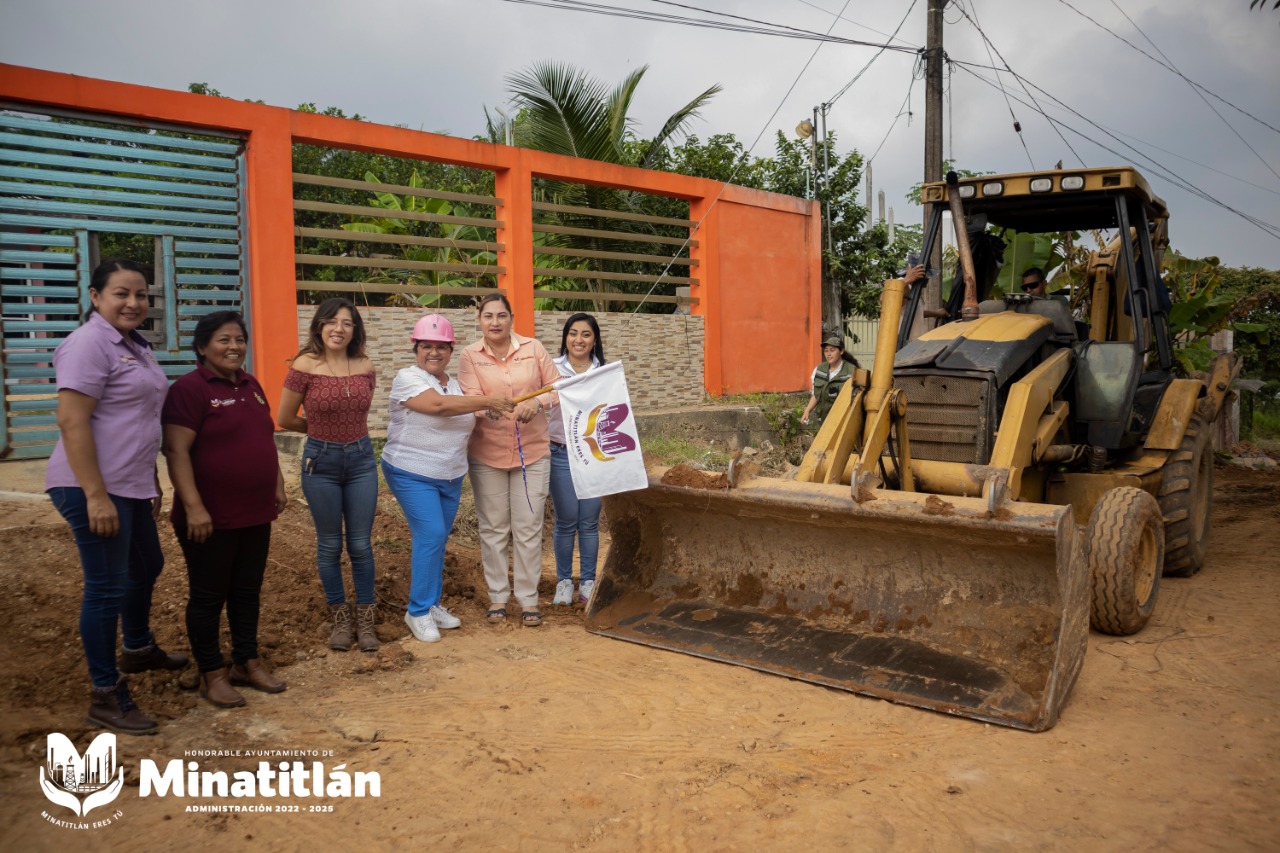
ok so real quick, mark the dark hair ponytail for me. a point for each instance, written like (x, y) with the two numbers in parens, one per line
(496, 296)
(102, 274)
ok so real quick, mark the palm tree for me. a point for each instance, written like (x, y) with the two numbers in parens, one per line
(563, 110)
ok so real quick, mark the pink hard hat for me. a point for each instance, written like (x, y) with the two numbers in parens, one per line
(433, 327)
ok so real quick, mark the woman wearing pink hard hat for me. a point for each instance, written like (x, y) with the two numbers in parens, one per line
(424, 461)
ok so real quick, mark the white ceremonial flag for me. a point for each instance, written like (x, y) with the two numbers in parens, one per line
(600, 433)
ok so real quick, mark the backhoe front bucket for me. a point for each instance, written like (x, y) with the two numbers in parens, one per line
(918, 599)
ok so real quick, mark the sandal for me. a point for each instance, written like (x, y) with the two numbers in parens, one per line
(497, 614)
(531, 618)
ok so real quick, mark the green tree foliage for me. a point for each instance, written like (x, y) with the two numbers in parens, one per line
(859, 257)
(563, 110)
(458, 250)
(1255, 295)
(1202, 307)
(355, 165)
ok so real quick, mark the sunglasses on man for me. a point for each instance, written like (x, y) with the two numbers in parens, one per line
(1032, 285)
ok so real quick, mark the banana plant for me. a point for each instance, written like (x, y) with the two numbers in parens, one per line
(1199, 310)
(439, 280)
(1023, 250)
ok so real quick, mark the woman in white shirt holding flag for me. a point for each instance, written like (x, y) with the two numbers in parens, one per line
(424, 461)
(581, 350)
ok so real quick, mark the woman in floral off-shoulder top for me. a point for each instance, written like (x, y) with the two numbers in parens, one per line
(332, 381)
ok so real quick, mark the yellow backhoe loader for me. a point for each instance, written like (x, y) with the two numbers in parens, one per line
(968, 507)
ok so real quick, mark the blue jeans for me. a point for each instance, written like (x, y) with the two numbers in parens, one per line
(119, 574)
(430, 506)
(340, 482)
(573, 516)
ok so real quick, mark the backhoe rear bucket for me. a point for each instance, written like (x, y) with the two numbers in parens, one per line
(913, 598)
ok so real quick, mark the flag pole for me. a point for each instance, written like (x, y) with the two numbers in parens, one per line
(533, 394)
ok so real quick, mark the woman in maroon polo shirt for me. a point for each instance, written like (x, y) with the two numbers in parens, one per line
(220, 445)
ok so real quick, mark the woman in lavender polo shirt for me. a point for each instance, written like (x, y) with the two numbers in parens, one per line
(102, 478)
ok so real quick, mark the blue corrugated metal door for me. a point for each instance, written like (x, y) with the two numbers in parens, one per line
(74, 190)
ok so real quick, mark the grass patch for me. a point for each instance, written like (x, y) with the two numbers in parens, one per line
(782, 411)
(674, 450)
(1265, 425)
(394, 545)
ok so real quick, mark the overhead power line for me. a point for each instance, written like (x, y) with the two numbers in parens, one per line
(1200, 94)
(1017, 125)
(1157, 167)
(764, 129)
(1018, 78)
(831, 101)
(1168, 67)
(758, 28)
(891, 38)
(902, 110)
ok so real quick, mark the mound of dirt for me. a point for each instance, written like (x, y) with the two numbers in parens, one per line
(692, 478)
(42, 575)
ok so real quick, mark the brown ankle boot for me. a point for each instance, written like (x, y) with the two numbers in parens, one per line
(366, 616)
(215, 687)
(344, 634)
(111, 708)
(253, 674)
(147, 658)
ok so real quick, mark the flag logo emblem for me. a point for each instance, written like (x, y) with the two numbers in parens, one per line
(604, 433)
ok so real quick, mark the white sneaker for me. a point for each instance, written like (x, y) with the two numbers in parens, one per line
(564, 593)
(443, 618)
(423, 627)
(584, 591)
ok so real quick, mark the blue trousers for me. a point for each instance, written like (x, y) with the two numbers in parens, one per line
(340, 482)
(119, 575)
(430, 507)
(573, 517)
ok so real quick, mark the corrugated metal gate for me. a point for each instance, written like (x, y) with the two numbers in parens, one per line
(69, 185)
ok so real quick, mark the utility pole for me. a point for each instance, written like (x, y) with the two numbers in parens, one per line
(868, 188)
(932, 147)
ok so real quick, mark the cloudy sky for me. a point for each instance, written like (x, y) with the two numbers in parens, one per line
(433, 64)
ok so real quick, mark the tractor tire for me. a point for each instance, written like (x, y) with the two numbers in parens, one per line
(1186, 501)
(1125, 547)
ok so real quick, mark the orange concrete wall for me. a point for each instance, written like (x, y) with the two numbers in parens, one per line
(765, 299)
(760, 272)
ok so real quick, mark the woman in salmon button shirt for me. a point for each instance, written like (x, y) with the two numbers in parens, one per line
(509, 456)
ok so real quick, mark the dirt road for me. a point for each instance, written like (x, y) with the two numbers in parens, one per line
(509, 738)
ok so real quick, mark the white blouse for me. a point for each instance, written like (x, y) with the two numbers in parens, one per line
(432, 446)
(555, 423)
